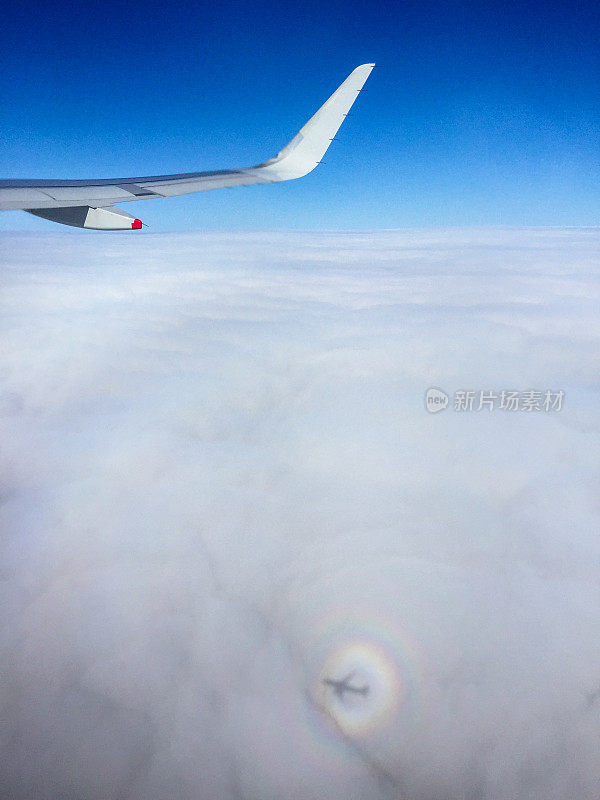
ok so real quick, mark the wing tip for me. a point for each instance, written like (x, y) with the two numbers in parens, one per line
(362, 71)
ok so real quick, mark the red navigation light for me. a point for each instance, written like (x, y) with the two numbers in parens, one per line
(136, 224)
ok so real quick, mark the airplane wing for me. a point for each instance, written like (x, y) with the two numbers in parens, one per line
(89, 203)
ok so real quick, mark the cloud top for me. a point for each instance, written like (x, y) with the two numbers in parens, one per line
(219, 485)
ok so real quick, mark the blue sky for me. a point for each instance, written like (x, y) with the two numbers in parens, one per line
(480, 113)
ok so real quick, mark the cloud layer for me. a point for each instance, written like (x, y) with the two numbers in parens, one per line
(219, 486)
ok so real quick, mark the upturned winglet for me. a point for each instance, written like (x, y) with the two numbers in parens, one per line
(302, 154)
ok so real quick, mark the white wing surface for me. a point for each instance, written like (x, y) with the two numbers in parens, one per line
(89, 203)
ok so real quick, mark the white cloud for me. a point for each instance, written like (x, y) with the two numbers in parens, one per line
(219, 485)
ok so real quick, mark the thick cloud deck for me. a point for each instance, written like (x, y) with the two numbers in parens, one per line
(220, 487)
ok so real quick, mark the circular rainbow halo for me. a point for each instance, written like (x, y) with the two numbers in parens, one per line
(360, 687)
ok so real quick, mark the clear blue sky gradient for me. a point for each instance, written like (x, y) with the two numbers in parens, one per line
(481, 113)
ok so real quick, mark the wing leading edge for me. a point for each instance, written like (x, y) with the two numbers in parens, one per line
(89, 203)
